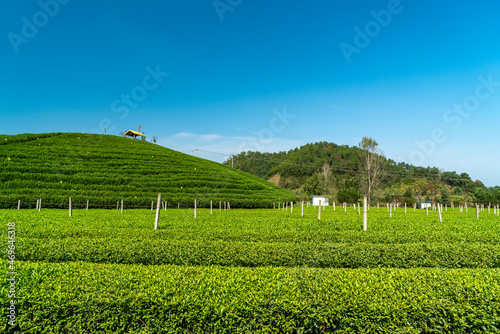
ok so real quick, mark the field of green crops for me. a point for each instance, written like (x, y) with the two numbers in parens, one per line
(104, 169)
(263, 271)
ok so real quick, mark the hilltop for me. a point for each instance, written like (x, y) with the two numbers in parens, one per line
(105, 169)
(333, 170)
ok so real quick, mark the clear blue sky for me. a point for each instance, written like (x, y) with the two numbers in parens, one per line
(261, 75)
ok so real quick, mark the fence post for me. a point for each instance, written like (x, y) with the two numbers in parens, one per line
(439, 208)
(427, 209)
(291, 207)
(477, 211)
(405, 208)
(319, 210)
(70, 211)
(365, 213)
(157, 216)
(220, 206)
(122, 206)
(87, 208)
(152, 205)
(390, 211)
(195, 208)
(333, 206)
(40, 205)
(19, 204)
(302, 213)
(210, 206)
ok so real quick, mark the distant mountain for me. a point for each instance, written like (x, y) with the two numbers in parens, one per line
(329, 169)
(105, 169)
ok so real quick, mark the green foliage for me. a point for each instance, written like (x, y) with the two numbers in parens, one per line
(112, 298)
(241, 271)
(349, 192)
(105, 169)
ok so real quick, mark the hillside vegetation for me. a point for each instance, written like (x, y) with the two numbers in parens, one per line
(328, 169)
(105, 169)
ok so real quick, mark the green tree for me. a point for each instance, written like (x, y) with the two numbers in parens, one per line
(372, 165)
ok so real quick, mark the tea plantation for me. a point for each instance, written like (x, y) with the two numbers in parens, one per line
(253, 271)
(105, 169)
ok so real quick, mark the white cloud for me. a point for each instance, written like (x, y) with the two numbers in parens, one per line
(218, 148)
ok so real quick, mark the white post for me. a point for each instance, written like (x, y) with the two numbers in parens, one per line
(87, 209)
(405, 208)
(19, 204)
(40, 205)
(157, 216)
(122, 206)
(228, 206)
(152, 205)
(390, 211)
(466, 208)
(70, 211)
(302, 213)
(210, 206)
(220, 206)
(274, 206)
(291, 207)
(319, 210)
(36, 205)
(333, 206)
(359, 209)
(365, 214)
(427, 209)
(477, 211)
(194, 208)
(286, 206)
(439, 208)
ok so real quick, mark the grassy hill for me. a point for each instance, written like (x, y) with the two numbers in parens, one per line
(105, 169)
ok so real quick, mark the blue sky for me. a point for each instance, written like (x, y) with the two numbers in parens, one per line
(422, 78)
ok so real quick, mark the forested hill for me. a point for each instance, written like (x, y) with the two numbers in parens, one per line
(334, 170)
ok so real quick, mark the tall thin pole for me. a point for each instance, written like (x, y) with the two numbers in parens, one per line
(157, 216)
(365, 213)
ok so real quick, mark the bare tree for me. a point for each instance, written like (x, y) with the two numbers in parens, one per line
(372, 163)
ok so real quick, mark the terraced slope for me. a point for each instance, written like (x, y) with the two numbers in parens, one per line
(104, 169)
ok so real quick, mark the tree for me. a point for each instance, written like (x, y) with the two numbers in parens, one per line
(372, 165)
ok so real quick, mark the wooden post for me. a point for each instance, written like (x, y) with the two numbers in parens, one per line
(194, 208)
(157, 216)
(122, 206)
(365, 213)
(210, 206)
(87, 208)
(70, 211)
(302, 213)
(19, 204)
(439, 208)
(319, 210)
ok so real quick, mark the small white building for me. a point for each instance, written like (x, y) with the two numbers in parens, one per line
(425, 204)
(315, 200)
